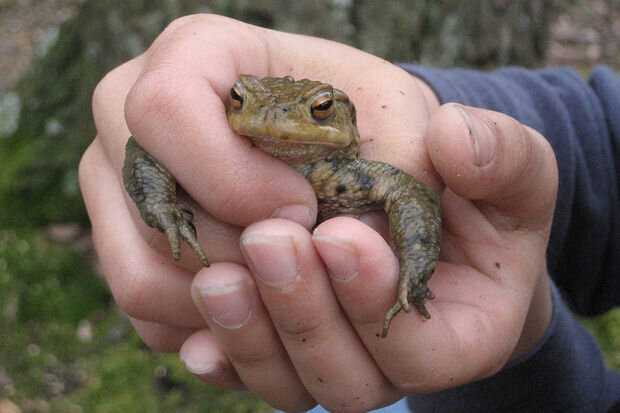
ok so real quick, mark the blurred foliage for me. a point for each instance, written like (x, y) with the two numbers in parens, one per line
(38, 278)
(606, 329)
(64, 349)
(39, 160)
(65, 346)
(39, 182)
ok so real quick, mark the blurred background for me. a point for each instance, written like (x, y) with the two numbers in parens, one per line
(64, 345)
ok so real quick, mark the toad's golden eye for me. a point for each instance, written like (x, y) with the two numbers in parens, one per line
(323, 105)
(237, 94)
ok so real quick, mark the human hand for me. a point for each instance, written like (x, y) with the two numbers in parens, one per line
(318, 328)
(171, 100)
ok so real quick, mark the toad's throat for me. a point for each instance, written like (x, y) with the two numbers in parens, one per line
(293, 152)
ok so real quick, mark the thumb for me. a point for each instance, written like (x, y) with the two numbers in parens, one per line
(490, 157)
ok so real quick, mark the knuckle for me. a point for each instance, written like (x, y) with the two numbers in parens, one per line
(180, 22)
(144, 94)
(112, 86)
(306, 329)
(155, 95)
(104, 89)
(190, 20)
(185, 28)
(86, 165)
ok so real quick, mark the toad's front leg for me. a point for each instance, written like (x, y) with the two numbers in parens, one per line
(153, 190)
(414, 213)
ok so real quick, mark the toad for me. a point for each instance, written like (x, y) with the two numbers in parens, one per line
(312, 127)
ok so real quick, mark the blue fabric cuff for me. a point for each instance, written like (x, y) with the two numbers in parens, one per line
(564, 372)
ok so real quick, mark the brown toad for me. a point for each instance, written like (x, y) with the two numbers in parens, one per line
(312, 127)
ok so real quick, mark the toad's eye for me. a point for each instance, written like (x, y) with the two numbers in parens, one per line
(237, 94)
(323, 105)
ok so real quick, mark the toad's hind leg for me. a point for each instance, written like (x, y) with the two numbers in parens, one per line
(153, 190)
(414, 214)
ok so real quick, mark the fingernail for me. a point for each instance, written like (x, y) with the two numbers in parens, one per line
(198, 363)
(339, 256)
(196, 367)
(297, 213)
(483, 139)
(272, 259)
(229, 306)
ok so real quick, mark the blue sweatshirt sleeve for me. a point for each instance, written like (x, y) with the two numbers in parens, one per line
(564, 373)
(581, 120)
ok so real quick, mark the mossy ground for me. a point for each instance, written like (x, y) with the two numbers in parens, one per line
(66, 347)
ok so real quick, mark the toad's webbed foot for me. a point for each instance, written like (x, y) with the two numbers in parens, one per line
(176, 223)
(153, 189)
(408, 293)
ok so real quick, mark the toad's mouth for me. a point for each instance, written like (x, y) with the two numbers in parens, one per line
(293, 151)
(284, 140)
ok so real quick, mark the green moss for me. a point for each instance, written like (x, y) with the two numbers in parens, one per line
(607, 331)
(49, 281)
(40, 158)
(66, 345)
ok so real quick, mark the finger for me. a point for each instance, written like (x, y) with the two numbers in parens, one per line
(319, 340)
(108, 104)
(487, 156)
(417, 355)
(502, 176)
(144, 285)
(161, 337)
(227, 297)
(202, 355)
(220, 240)
(502, 182)
(176, 111)
(364, 274)
(347, 267)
